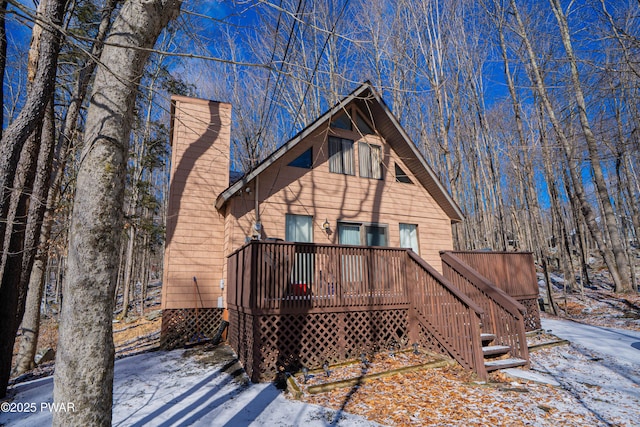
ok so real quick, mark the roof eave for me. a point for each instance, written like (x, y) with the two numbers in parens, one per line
(452, 209)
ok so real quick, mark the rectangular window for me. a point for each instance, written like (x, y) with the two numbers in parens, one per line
(299, 228)
(376, 235)
(370, 160)
(409, 237)
(349, 234)
(341, 156)
(362, 234)
(351, 265)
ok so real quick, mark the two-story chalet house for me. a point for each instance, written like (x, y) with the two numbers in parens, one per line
(353, 178)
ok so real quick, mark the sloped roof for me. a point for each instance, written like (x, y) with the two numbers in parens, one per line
(387, 125)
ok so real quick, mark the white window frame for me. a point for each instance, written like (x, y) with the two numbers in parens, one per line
(289, 228)
(302, 269)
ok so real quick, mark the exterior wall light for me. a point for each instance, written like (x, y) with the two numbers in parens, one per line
(326, 226)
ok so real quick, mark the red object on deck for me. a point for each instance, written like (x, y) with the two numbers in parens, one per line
(299, 289)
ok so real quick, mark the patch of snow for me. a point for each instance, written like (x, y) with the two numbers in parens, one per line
(555, 279)
(526, 375)
(617, 343)
(601, 369)
(178, 388)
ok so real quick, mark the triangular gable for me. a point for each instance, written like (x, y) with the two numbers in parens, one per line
(367, 100)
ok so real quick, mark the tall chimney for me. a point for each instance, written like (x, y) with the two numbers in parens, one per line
(194, 259)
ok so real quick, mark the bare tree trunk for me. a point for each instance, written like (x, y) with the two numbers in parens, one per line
(31, 244)
(12, 303)
(144, 272)
(128, 269)
(96, 228)
(36, 282)
(3, 59)
(58, 290)
(14, 137)
(576, 178)
(31, 318)
(535, 222)
(119, 281)
(620, 271)
(13, 140)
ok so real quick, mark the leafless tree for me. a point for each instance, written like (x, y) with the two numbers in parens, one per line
(87, 307)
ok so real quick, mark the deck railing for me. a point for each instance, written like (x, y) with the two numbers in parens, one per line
(277, 278)
(513, 272)
(503, 315)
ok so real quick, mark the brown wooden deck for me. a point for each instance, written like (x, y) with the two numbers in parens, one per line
(293, 305)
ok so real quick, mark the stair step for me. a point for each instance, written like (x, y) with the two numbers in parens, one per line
(494, 350)
(504, 364)
(487, 337)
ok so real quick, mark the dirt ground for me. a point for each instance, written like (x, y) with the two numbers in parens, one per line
(131, 336)
(601, 308)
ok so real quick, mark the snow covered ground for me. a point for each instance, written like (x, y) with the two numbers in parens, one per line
(183, 387)
(601, 369)
(598, 374)
(620, 344)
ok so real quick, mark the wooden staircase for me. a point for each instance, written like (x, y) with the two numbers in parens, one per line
(498, 356)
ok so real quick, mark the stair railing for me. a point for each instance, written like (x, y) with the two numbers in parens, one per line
(446, 313)
(503, 316)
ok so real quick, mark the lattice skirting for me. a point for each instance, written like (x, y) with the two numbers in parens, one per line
(241, 339)
(267, 344)
(180, 326)
(532, 318)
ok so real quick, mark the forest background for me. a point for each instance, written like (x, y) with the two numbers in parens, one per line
(528, 111)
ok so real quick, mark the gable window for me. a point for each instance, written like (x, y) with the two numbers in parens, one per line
(304, 160)
(370, 157)
(362, 234)
(341, 156)
(363, 126)
(299, 228)
(342, 121)
(409, 237)
(401, 176)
